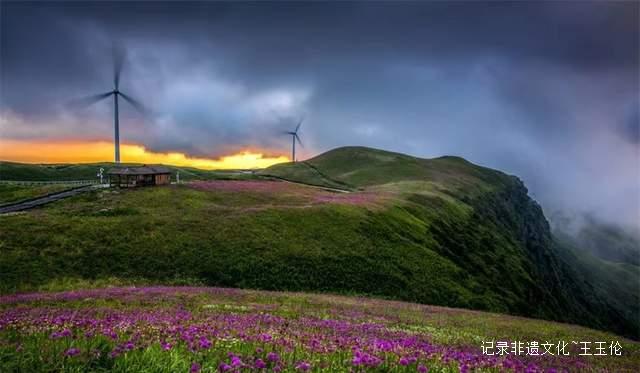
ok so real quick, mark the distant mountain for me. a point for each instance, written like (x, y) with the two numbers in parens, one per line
(606, 241)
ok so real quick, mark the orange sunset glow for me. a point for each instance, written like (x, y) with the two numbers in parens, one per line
(101, 151)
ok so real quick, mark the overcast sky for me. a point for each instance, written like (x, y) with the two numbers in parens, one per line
(547, 91)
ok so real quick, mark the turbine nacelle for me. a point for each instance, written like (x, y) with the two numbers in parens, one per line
(294, 138)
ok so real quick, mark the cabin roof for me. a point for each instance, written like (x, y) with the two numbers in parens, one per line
(143, 170)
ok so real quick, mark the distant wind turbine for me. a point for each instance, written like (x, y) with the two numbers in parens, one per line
(294, 138)
(118, 61)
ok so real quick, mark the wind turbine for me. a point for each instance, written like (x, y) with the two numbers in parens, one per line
(294, 138)
(118, 61)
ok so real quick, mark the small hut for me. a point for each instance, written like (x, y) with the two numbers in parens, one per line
(126, 177)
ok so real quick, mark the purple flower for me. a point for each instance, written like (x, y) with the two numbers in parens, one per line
(422, 369)
(265, 337)
(236, 362)
(165, 345)
(272, 356)
(57, 335)
(71, 352)
(303, 366)
(224, 367)
(404, 361)
(205, 343)
(195, 368)
(260, 364)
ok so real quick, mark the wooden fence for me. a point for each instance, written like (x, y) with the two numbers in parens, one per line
(35, 182)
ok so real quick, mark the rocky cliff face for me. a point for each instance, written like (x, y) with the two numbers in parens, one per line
(556, 288)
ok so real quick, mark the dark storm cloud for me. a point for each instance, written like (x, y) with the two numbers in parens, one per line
(630, 129)
(543, 90)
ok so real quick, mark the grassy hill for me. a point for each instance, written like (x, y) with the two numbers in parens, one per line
(360, 167)
(439, 231)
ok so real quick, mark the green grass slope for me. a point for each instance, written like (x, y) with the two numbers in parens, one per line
(441, 231)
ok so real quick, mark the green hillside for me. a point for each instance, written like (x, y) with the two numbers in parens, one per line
(590, 287)
(440, 231)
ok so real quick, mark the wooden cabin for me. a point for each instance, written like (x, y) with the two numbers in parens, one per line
(126, 177)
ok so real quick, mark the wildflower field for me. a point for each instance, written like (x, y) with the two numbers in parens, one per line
(201, 329)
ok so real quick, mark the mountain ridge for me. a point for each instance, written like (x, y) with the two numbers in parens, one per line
(507, 207)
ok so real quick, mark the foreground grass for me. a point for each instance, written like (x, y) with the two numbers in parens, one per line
(164, 329)
(289, 239)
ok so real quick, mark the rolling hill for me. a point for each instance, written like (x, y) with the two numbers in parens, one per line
(437, 231)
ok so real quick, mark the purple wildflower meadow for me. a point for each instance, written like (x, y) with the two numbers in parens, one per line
(228, 330)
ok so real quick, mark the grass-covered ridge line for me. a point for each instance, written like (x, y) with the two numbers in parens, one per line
(360, 167)
(168, 329)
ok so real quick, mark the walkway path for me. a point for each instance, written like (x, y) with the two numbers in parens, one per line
(39, 201)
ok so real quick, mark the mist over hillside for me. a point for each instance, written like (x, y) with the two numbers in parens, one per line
(607, 241)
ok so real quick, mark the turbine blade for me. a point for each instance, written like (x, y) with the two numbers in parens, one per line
(135, 103)
(299, 124)
(119, 55)
(298, 138)
(83, 102)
